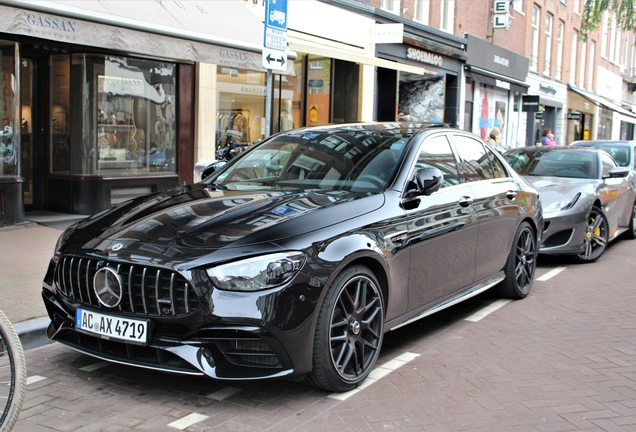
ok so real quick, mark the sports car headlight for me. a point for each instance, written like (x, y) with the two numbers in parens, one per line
(254, 274)
(564, 204)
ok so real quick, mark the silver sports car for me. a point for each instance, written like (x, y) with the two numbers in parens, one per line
(587, 199)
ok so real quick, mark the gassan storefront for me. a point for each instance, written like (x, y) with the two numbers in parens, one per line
(98, 98)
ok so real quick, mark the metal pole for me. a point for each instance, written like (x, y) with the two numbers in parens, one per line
(269, 99)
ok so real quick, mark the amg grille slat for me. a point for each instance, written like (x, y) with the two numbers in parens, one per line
(147, 291)
(143, 290)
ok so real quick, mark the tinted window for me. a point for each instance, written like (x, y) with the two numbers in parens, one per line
(474, 163)
(436, 152)
(554, 163)
(497, 166)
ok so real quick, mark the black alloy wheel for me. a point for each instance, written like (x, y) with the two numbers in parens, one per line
(596, 237)
(521, 264)
(631, 233)
(349, 331)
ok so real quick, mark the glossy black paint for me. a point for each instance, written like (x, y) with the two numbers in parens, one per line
(426, 251)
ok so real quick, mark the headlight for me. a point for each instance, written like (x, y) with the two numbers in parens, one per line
(563, 204)
(258, 273)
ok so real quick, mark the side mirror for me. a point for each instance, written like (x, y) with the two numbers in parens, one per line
(213, 167)
(619, 172)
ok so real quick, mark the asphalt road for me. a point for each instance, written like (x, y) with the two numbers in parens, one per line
(563, 359)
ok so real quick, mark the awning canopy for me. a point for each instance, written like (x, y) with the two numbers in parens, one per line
(183, 30)
(494, 79)
(599, 100)
(329, 52)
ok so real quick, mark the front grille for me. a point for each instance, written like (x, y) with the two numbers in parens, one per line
(146, 290)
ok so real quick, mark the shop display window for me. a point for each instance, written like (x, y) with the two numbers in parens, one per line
(8, 139)
(127, 112)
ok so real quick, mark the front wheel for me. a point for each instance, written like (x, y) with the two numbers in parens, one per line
(349, 331)
(12, 374)
(631, 233)
(596, 237)
(521, 264)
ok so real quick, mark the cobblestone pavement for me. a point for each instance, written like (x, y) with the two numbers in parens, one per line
(563, 359)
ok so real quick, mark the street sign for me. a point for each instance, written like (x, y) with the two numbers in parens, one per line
(500, 21)
(275, 37)
(274, 59)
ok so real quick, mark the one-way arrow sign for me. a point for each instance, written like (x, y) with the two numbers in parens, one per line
(274, 59)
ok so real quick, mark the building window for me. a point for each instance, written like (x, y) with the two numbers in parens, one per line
(548, 44)
(421, 11)
(617, 49)
(447, 15)
(582, 68)
(391, 6)
(518, 5)
(590, 66)
(577, 7)
(559, 59)
(534, 56)
(8, 150)
(575, 39)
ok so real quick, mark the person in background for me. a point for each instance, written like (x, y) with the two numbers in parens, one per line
(546, 140)
(551, 136)
(494, 139)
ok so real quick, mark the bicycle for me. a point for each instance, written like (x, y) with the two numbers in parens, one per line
(12, 374)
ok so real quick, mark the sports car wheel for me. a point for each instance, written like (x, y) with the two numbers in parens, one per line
(349, 331)
(631, 233)
(521, 264)
(596, 235)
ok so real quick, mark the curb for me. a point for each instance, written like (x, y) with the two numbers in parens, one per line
(32, 333)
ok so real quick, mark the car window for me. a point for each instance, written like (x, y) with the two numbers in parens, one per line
(554, 162)
(497, 166)
(436, 152)
(474, 163)
(607, 163)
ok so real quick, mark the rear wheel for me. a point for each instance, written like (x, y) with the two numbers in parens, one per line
(596, 237)
(521, 264)
(349, 331)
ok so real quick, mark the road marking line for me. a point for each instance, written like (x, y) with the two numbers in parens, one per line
(94, 366)
(487, 310)
(223, 394)
(187, 421)
(377, 373)
(33, 379)
(552, 273)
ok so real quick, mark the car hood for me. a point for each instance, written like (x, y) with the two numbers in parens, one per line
(191, 221)
(555, 189)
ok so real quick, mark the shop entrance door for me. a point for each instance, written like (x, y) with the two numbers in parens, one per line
(33, 125)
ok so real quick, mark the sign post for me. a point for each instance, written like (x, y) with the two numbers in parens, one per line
(274, 51)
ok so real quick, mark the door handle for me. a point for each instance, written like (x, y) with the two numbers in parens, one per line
(511, 195)
(465, 201)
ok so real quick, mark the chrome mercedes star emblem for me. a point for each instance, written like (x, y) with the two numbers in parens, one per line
(108, 287)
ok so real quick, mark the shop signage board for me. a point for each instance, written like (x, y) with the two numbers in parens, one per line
(275, 37)
(500, 14)
(574, 116)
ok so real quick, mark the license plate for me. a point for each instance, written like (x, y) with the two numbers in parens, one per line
(111, 327)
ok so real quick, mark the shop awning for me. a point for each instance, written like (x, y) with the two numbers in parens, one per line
(599, 100)
(494, 79)
(329, 52)
(224, 32)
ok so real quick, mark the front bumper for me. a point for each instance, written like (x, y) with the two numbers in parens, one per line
(231, 336)
(563, 233)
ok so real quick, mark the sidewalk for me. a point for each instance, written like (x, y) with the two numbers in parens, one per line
(25, 251)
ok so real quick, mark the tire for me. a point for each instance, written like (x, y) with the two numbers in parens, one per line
(12, 372)
(596, 237)
(521, 264)
(631, 233)
(349, 331)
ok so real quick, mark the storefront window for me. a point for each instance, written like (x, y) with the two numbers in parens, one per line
(127, 107)
(60, 99)
(318, 90)
(491, 111)
(241, 106)
(288, 99)
(422, 97)
(8, 139)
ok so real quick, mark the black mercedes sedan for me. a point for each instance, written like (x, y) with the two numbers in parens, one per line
(295, 258)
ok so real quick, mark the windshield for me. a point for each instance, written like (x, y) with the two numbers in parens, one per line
(362, 161)
(555, 163)
(618, 152)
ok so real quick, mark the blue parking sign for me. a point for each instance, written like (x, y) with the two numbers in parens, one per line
(276, 14)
